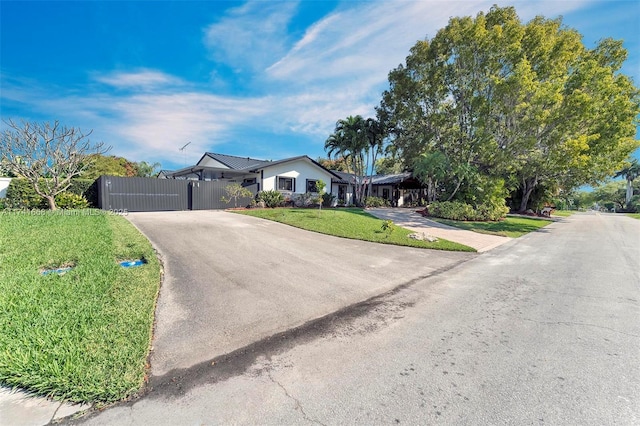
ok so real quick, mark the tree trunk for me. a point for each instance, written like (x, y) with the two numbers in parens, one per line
(455, 190)
(629, 194)
(527, 189)
(52, 202)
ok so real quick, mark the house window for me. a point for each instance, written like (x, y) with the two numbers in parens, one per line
(286, 184)
(312, 185)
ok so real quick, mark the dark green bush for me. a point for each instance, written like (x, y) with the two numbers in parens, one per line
(375, 202)
(21, 195)
(454, 210)
(271, 198)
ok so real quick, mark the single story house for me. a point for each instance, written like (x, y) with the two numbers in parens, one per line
(298, 175)
(295, 175)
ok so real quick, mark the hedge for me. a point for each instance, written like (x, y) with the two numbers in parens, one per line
(22, 195)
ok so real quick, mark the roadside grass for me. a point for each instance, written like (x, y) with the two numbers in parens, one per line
(634, 215)
(563, 213)
(512, 227)
(349, 223)
(83, 336)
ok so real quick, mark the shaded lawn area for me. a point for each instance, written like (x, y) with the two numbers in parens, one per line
(81, 336)
(512, 227)
(349, 223)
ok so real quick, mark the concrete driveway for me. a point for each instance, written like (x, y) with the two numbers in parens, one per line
(231, 280)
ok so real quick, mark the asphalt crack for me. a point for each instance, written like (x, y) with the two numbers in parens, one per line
(298, 405)
(581, 324)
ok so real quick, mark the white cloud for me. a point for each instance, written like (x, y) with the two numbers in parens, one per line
(252, 35)
(142, 79)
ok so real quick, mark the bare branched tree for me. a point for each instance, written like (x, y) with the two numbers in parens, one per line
(47, 155)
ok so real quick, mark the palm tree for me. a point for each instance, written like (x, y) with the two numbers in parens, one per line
(630, 173)
(349, 141)
(374, 130)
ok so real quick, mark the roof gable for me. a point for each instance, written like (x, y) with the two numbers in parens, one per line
(230, 161)
(288, 160)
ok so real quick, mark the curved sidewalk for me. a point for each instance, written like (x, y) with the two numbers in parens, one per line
(408, 218)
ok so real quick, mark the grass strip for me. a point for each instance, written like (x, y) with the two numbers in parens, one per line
(634, 215)
(512, 227)
(349, 223)
(563, 213)
(83, 336)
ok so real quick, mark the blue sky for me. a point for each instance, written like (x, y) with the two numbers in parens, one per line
(263, 79)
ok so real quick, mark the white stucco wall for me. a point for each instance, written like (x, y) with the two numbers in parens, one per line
(300, 170)
(348, 193)
(4, 184)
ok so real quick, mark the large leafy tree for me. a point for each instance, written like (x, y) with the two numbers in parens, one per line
(112, 165)
(47, 154)
(525, 102)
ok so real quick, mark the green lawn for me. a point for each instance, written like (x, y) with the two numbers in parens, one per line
(349, 223)
(634, 215)
(84, 335)
(513, 227)
(563, 213)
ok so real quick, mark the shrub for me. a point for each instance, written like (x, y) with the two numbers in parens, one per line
(454, 210)
(2, 204)
(234, 192)
(271, 198)
(21, 195)
(69, 200)
(327, 199)
(375, 202)
(494, 210)
(88, 188)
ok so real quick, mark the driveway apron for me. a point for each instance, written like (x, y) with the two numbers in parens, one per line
(231, 280)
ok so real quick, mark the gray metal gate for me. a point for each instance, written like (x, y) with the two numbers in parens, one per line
(208, 195)
(151, 194)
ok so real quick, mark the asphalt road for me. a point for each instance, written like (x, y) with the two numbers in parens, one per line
(542, 330)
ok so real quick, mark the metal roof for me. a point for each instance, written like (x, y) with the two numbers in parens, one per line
(390, 179)
(238, 163)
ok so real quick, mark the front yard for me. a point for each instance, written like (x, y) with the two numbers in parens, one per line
(349, 223)
(83, 335)
(512, 227)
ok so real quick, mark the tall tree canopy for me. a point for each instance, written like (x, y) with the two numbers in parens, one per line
(98, 165)
(528, 103)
